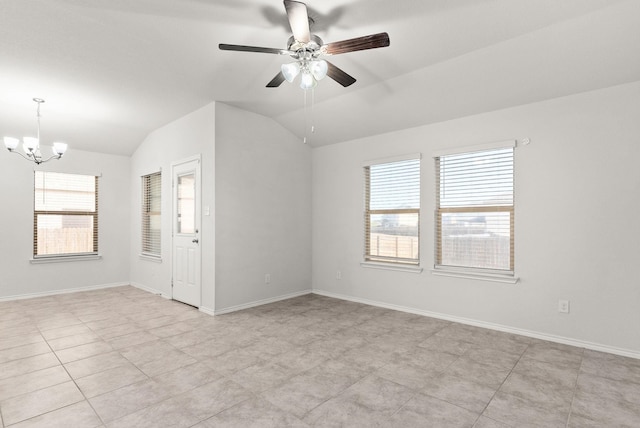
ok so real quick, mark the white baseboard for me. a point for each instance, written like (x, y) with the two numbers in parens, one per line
(150, 290)
(256, 303)
(62, 291)
(207, 311)
(461, 320)
(534, 334)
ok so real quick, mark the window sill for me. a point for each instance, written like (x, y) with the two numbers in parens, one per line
(465, 274)
(388, 266)
(156, 259)
(59, 259)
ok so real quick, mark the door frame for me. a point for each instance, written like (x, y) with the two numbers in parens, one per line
(197, 158)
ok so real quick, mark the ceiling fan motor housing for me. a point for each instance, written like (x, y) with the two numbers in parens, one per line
(310, 50)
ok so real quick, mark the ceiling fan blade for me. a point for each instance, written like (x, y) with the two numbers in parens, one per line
(380, 40)
(276, 81)
(298, 20)
(340, 76)
(243, 48)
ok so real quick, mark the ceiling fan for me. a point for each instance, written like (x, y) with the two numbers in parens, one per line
(306, 49)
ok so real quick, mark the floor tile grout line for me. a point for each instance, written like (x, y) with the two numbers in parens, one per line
(87, 400)
(77, 386)
(231, 407)
(575, 389)
(329, 398)
(254, 395)
(137, 367)
(158, 309)
(75, 383)
(439, 374)
(454, 404)
(403, 405)
(39, 389)
(501, 384)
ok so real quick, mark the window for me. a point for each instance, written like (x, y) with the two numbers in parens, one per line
(186, 201)
(475, 210)
(65, 214)
(392, 211)
(151, 211)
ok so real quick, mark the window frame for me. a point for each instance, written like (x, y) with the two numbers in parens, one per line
(500, 275)
(94, 214)
(146, 213)
(384, 262)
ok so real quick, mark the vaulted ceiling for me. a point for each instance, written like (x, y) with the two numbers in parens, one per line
(111, 71)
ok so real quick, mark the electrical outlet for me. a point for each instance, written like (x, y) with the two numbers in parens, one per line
(267, 278)
(338, 275)
(563, 306)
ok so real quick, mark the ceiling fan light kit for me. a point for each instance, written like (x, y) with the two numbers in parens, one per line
(312, 72)
(307, 81)
(319, 69)
(306, 48)
(31, 145)
(290, 71)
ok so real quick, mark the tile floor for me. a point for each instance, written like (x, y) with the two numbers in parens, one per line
(122, 357)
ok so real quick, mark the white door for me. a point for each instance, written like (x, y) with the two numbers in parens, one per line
(186, 231)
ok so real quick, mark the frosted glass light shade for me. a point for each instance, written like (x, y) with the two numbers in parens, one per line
(319, 69)
(11, 143)
(59, 148)
(30, 144)
(290, 71)
(307, 81)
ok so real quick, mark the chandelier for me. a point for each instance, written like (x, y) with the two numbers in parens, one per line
(31, 145)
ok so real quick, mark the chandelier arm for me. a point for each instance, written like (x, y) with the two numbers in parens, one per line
(48, 159)
(30, 157)
(33, 158)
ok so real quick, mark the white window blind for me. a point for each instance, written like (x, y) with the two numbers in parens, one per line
(151, 214)
(65, 214)
(475, 210)
(392, 212)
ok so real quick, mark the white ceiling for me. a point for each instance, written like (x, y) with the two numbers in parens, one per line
(111, 71)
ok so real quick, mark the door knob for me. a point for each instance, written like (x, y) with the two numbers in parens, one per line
(195, 241)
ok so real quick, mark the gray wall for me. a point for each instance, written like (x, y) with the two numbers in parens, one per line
(193, 134)
(256, 180)
(263, 210)
(18, 277)
(577, 188)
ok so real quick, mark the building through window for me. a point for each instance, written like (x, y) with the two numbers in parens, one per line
(475, 210)
(392, 211)
(65, 214)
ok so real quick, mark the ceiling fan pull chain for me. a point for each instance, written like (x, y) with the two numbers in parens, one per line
(306, 118)
(309, 117)
(313, 117)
